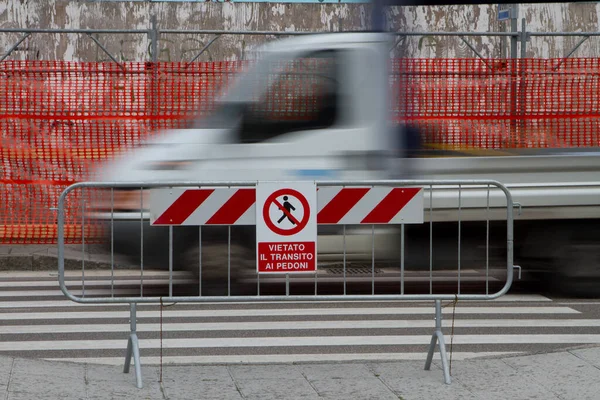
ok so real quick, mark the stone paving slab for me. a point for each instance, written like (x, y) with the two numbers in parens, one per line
(409, 380)
(499, 380)
(565, 375)
(561, 375)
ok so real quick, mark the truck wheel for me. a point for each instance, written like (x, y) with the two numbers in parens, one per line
(215, 266)
(577, 271)
(565, 253)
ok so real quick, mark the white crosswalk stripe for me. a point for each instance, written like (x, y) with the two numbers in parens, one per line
(38, 321)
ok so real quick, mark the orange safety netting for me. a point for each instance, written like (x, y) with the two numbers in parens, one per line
(60, 119)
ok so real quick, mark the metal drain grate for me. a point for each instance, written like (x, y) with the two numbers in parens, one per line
(353, 270)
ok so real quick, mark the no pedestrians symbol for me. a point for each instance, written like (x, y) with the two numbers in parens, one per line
(286, 227)
(293, 208)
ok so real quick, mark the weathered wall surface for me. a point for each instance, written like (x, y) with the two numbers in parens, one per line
(569, 17)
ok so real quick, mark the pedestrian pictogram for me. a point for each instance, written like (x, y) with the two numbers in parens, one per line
(286, 227)
(286, 212)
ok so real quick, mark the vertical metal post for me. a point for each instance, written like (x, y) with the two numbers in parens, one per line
(229, 260)
(133, 348)
(170, 261)
(200, 260)
(401, 258)
(523, 38)
(514, 28)
(344, 255)
(373, 259)
(112, 240)
(153, 36)
(430, 239)
(141, 242)
(514, 40)
(487, 244)
(83, 243)
(257, 284)
(378, 16)
(316, 282)
(287, 284)
(522, 76)
(459, 231)
(438, 337)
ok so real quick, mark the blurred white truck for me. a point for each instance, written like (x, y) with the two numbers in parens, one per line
(345, 132)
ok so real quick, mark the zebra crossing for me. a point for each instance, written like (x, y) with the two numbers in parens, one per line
(36, 320)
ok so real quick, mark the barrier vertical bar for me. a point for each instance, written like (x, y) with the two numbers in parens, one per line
(170, 260)
(373, 259)
(487, 244)
(141, 242)
(316, 286)
(200, 260)
(344, 256)
(459, 232)
(83, 243)
(430, 239)
(401, 258)
(229, 260)
(257, 283)
(112, 239)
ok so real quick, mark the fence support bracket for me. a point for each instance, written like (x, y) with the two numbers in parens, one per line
(106, 51)
(14, 46)
(202, 51)
(438, 336)
(133, 349)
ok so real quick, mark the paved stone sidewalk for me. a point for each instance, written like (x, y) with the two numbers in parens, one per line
(565, 375)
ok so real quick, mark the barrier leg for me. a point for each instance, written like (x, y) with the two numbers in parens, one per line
(128, 357)
(444, 356)
(133, 349)
(136, 360)
(438, 337)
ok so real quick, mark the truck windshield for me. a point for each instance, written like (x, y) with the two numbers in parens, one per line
(280, 95)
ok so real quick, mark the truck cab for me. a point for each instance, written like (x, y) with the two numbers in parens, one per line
(293, 115)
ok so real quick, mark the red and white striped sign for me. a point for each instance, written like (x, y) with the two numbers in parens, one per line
(336, 206)
(375, 205)
(218, 206)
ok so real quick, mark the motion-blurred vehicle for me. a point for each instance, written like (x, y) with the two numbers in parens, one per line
(333, 122)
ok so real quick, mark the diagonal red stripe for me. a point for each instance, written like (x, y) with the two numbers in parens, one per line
(390, 206)
(183, 207)
(234, 208)
(340, 205)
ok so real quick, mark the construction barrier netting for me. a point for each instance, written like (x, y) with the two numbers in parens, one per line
(60, 120)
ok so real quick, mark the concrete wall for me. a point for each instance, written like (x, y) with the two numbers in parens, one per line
(278, 17)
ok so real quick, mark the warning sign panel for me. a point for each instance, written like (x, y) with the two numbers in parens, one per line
(287, 257)
(286, 227)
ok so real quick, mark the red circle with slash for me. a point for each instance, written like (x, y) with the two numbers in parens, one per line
(299, 225)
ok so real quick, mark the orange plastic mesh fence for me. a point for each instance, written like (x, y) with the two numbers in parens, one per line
(61, 119)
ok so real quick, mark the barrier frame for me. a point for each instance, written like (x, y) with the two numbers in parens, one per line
(133, 348)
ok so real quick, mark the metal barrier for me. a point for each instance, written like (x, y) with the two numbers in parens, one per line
(474, 200)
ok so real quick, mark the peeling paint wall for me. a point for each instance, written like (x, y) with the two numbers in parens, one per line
(568, 17)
